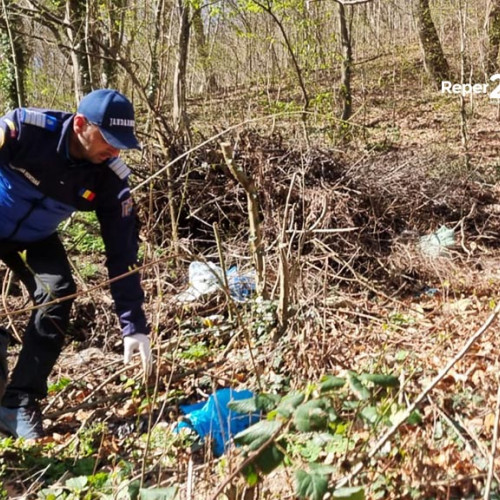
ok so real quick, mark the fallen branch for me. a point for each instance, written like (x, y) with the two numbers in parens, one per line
(90, 290)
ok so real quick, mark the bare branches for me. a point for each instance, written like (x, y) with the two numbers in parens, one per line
(267, 8)
(255, 238)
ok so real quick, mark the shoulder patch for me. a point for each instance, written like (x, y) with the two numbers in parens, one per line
(38, 119)
(119, 168)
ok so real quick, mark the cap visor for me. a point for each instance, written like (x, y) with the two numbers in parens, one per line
(125, 140)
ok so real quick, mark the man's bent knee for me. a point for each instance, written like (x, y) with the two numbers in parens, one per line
(51, 287)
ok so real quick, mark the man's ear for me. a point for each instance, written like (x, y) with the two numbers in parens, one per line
(79, 123)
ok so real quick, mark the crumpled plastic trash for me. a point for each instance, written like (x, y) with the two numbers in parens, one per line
(204, 278)
(207, 277)
(438, 243)
(241, 285)
(213, 418)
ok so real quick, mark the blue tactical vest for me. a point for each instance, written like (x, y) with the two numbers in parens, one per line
(41, 185)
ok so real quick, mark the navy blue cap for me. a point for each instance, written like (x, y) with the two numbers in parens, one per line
(113, 113)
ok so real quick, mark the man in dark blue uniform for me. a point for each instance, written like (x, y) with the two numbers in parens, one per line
(53, 163)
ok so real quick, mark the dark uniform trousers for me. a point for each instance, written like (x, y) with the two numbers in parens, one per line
(46, 274)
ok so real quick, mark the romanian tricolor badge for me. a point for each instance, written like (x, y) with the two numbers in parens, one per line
(87, 194)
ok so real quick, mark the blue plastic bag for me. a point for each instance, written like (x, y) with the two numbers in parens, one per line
(213, 418)
(241, 285)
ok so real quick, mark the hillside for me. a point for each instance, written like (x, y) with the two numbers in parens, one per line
(350, 293)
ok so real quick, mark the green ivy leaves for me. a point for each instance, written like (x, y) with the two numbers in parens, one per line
(313, 484)
(311, 416)
(299, 419)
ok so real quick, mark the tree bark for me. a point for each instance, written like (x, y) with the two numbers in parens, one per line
(435, 62)
(13, 65)
(154, 72)
(493, 37)
(179, 112)
(113, 37)
(345, 89)
(210, 83)
(76, 21)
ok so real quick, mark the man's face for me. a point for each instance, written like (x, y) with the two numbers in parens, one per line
(90, 144)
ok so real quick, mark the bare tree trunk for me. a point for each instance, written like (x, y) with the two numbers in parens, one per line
(12, 66)
(493, 37)
(154, 72)
(76, 20)
(435, 61)
(210, 83)
(91, 15)
(113, 38)
(463, 63)
(155, 98)
(180, 117)
(345, 89)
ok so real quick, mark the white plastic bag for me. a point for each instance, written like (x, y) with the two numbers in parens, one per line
(206, 278)
(438, 244)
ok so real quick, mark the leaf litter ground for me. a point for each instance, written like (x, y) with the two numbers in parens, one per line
(363, 300)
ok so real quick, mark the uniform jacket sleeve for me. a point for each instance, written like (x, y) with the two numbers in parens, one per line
(117, 217)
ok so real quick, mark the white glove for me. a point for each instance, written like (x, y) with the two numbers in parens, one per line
(138, 342)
